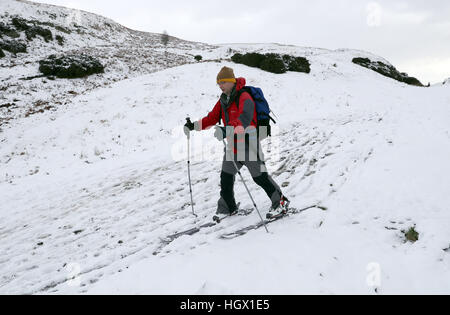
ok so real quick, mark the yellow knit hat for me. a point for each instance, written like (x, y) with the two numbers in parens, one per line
(226, 75)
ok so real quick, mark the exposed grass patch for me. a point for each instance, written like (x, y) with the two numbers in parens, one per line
(70, 66)
(411, 235)
(274, 63)
(386, 70)
(13, 46)
(6, 30)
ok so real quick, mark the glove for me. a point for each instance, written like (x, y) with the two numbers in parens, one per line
(188, 127)
(220, 133)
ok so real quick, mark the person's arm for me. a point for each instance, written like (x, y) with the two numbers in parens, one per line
(212, 119)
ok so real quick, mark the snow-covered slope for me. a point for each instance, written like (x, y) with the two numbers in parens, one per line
(89, 191)
(94, 191)
(124, 52)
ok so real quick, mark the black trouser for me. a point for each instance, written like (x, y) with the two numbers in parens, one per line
(258, 171)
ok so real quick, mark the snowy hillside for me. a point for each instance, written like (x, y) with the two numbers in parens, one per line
(91, 190)
(124, 52)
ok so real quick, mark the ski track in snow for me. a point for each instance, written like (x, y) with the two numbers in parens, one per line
(124, 217)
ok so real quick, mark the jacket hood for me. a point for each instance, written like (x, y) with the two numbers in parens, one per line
(240, 83)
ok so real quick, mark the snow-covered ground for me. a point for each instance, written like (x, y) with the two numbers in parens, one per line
(89, 192)
(93, 188)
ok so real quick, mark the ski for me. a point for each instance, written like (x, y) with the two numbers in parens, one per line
(241, 212)
(191, 231)
(270, 219)
(170, 238)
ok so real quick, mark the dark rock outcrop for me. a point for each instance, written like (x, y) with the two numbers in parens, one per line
(34, 31)
(60, 39)
(6, 30)
(13, 46)
(70, 66)
(20, 24)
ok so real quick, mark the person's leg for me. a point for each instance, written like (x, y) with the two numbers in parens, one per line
(265, 181)
(261, 176)
(227, 203)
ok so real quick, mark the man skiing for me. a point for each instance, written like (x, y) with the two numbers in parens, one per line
(237, 110)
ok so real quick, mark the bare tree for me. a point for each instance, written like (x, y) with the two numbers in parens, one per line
(165, 41)
(165, 38)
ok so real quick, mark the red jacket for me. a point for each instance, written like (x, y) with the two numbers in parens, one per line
(240, 118)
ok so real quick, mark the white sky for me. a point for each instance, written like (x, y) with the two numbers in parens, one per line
(413, 35)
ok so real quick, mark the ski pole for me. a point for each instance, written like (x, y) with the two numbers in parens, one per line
(189, 167)
(243, 181)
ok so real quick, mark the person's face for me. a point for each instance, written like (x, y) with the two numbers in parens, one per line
(226, 87)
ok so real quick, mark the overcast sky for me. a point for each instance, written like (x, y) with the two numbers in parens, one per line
(414, 35)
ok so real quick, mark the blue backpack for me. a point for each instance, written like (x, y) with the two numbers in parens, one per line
(261, 105)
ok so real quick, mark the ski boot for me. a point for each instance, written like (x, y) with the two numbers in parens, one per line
(224, 213)
(279, 209)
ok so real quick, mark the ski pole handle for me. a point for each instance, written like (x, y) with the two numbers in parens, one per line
(188, 120)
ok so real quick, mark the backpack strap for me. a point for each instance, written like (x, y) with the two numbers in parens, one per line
(238, 97)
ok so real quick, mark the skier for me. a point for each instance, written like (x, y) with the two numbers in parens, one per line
(243, 143)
